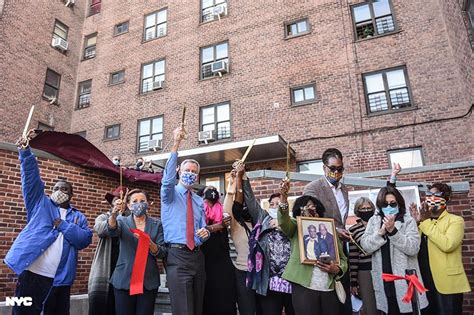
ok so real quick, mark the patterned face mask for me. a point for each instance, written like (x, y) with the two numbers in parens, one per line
(437, 202)
(59, 197)
(188, 178)
(139, 208)
(334, 177)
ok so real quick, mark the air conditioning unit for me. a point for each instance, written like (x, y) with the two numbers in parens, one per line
(220, 67)
(69, 3)
(206, 136)
(161, 31)
(150, 34)
(219, 11)
(59, 43)
(155, 144)
(90, 53)
(52, 100)
(158, 85)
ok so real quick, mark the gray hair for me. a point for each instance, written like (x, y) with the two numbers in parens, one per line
(190, 161)
(359, 202)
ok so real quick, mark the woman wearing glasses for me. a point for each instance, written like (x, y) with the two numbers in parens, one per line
(440, 253)
(392, 238)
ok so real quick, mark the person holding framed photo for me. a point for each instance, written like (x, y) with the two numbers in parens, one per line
(311, 270)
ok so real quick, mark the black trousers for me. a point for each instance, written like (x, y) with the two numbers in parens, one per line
(311, 302)
(246, 298)
(32, 285)
(274, 302)
(138, 304)
(186, 278)
(443, 304)
(58, 301)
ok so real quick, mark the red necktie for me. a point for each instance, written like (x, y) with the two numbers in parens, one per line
(190, 222)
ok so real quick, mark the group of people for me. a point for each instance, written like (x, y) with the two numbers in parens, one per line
(267, 276)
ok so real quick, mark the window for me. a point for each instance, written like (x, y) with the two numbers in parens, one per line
(297, 28)
(85, 88)
(51, 85)
(149, 129)
(215, 180)
(112, 132)
(217, 118)
(82, 134)
(213, 9)
(89, 46)
(373, 18)
(44, 127)
(153, 76)
(60, 30)
(155, 25)
(311, 167)
(303, 94)
(387, 90)
(94, 7)
(470, 13)
(117, 77)
(214, 60)
(407, 158)
(121, 28)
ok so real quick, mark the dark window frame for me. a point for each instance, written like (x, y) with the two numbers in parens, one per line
(111, 76)
(94, 7)
(302, 87)
(390, 109)
(86, 38)
(106, 129)
(42, 124)
(201, 64)
(137, 150)
(79, 95)
(116, 33)
(201, 10)
(153, 76)
(287, 24)
(215, 123)
(372, 20)
(56, 21)
(51, 86)
(144, 39)
(409, 149)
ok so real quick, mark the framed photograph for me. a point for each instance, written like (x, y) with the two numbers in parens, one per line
(317, 239)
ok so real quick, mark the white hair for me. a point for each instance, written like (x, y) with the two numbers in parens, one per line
(190, 161)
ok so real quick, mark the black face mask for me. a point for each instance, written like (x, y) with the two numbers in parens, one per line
(212, 195)
(366, 215)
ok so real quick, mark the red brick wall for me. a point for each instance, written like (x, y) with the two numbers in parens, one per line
(89, 190)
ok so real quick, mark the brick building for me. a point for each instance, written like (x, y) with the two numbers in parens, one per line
(383, 81)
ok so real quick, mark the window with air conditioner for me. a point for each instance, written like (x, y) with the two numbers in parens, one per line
(89, 46)
(214, 60)
(51, 86)
(84, 97)
(155, 25)
(112, 132)
(387, 90)
(60, 34)
(153, 76)
(149, 129)
(407, 158)
(216, 120)
(373, 18)
(213, 10)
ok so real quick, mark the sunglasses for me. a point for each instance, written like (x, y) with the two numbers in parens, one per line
(392, 204)
(436, 194)
(339, 169)
(365, 209)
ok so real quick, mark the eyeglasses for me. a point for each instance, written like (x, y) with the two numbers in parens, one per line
(392, 204)
(339, 169)
(365, 209)
(436, 194)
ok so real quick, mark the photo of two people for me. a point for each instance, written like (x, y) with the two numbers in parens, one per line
(317, 241)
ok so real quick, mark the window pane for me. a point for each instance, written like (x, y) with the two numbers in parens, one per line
(207, 54)
(159, 67)
(407, 159)
(52, 78)
(161, 16)
(221, 51)
(378, 102)
(144, 127)
(292, 30)
(207, 115)
(309, 93)
(147, 85)
(148, 71)
(315, 167)
(91, 41)
(158, 136)
(208, 127)
(157, 125)
(207, 3)
(159, 78)
(223, 112)
(143, 143)
(396, 79)
(374, 83)
(85, 87)
(381, 7)
(223, 130)
(361, 13)
(399, 97)
(298, 95)
(150, 20)
(50, 92)
(302, 26)
(60, 30)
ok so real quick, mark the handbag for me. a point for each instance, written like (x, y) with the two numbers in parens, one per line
(340, 292)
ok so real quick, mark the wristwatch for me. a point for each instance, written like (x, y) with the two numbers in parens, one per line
(283, 205)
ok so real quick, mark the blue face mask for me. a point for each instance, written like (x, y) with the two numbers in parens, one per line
(139, 208)
(188, 178)
(390, 210)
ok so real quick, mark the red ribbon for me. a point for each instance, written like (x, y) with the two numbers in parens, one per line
(139, 264)
(413, 283)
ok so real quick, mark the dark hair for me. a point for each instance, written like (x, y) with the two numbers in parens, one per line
(390, 190)
(137, 191)
(302, 201)
(331, 153)
(444, 188)
(275, 195)
(66, 182)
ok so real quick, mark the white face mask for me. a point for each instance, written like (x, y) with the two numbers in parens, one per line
(273, 212)
(59, 197)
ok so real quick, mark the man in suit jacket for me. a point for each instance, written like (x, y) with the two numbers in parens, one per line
(313, 251)
(326, 241)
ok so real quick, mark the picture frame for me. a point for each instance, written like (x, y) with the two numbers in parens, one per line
(322, 235)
